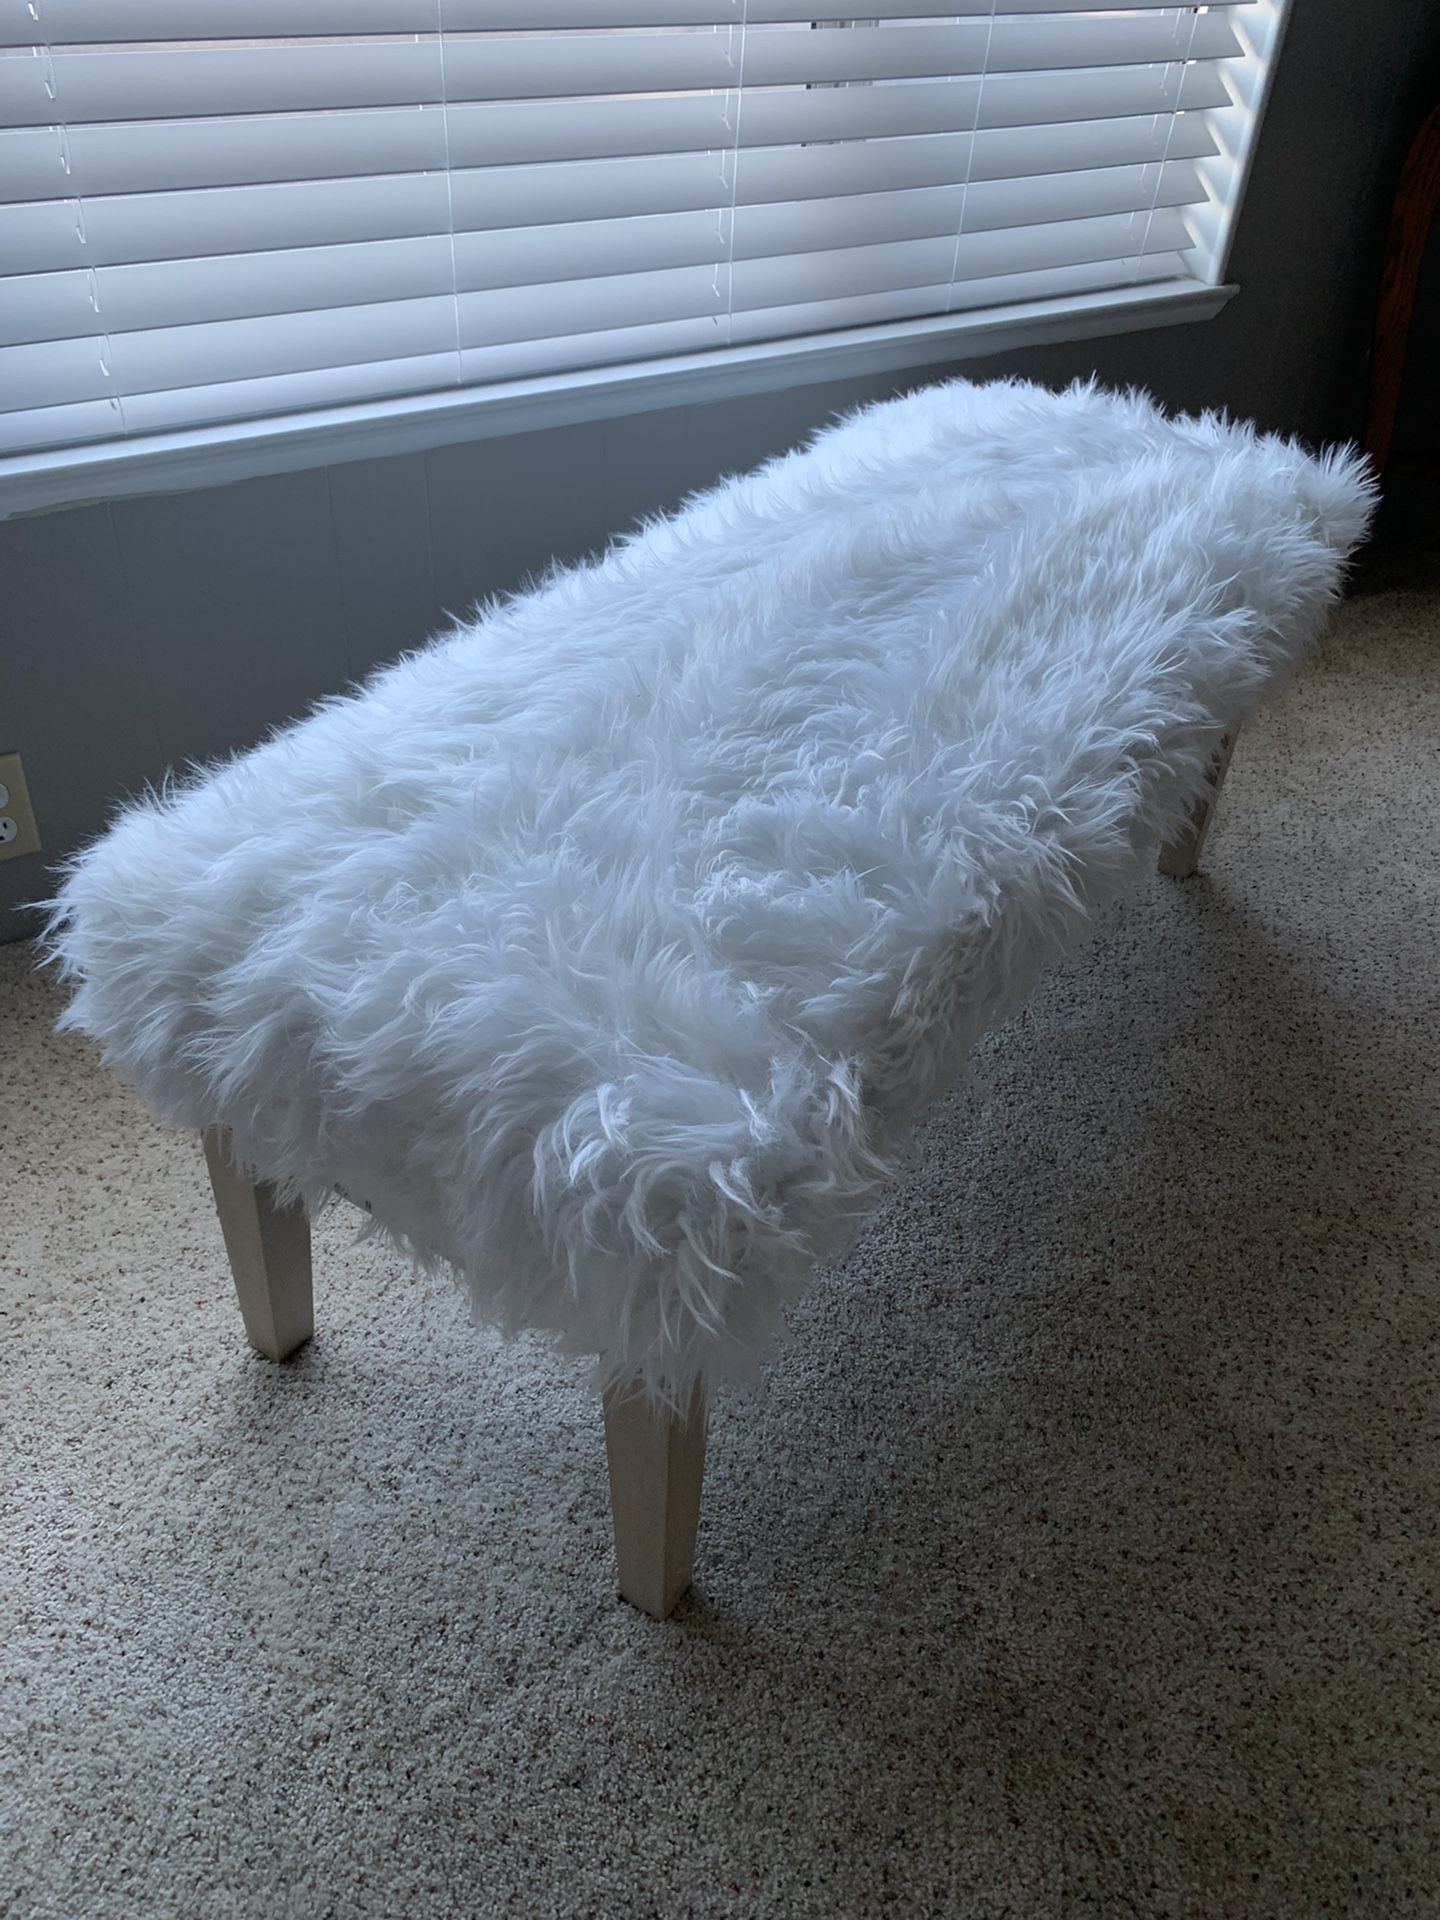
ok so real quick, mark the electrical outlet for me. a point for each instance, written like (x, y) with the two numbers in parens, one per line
(18, 832)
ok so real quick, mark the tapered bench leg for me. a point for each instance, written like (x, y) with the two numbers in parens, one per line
(657, 1463)
(269, 1249)
(1181, 857)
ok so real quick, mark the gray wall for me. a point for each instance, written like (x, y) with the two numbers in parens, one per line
(151, 632)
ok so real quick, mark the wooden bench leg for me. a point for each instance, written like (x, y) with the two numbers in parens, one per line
(657, 1462)
(269, 1249)
(1181, 857)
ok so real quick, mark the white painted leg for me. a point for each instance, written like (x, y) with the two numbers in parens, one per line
(1181, 857)
(657, 1463)
(269, 1249)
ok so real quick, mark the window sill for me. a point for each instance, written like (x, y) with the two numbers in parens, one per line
(216, 456)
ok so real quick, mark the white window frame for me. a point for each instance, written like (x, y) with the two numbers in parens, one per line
(222, 454)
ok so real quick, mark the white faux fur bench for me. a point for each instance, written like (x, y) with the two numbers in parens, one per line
(607, 947)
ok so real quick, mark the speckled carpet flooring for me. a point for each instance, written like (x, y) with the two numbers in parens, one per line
(1080, 1558)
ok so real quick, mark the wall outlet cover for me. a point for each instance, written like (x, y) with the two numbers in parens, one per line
(18, 832)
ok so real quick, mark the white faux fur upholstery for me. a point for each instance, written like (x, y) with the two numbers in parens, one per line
(607, 945)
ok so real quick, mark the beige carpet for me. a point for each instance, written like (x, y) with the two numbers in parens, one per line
(1081, 1557)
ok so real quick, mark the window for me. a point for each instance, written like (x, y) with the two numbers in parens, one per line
(214, 211)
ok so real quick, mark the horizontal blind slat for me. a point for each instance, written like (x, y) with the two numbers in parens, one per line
(48, 373)
(1008, 289)
(177, 293)
(564, 252)
(775, 282)
(518, 16)
(46, 306)
(280, 343)
(508, 133)
(568, 352)
(543, 68)
(159, 155)
(37, 237)
(116, 158)
(152, 84)
(484, 199)
(492, 318)
(1008, 153)
(98, 22)
(126, 228)
(307, 279)
(990, 204)
(121, 85)
(162, 409)
(93, 22)
(37, 429)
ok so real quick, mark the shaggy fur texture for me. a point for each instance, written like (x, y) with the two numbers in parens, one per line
(607, 945)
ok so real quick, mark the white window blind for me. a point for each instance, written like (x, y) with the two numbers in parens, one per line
(214, 210)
